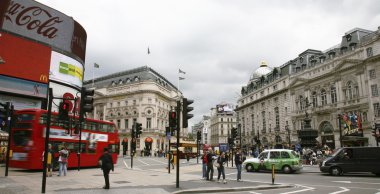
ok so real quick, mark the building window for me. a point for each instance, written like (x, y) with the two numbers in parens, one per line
(118, 124)
(134, 102)
(126, 123)
(253, 123)
(374, 90)
(369, 52)
(350, 91)
(333, 95)
(262, 93)
(372, 74)
(264, 122)
(134, 121)
(274, 87)
(315, 99)
(376, 109)
(323, 97)
(148, 123)
(126, 103)
(301, 103)
(277, 113)
(149, 100)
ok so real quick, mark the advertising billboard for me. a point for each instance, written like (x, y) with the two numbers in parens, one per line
(24, 59)
(224, 108)
(36, 21)
(23, 87)
(65, 92)
(66, 70)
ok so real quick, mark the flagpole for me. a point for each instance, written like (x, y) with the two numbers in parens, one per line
(93, 75)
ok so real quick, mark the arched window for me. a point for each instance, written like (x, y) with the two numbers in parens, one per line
(277, 114)
(315, 99)
(333, 95)
(323, 97)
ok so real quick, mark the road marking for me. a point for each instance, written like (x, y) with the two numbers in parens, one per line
(143, 162)
(126, 165)
(307, 189)
(349, 182)
(158, 161)
(341, 191)
(254, 192)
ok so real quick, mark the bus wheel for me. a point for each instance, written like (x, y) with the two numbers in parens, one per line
(249, 168)
(335, 171)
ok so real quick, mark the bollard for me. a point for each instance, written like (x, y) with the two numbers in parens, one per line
(273, 175)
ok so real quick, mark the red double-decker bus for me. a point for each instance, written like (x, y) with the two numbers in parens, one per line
(28, 140)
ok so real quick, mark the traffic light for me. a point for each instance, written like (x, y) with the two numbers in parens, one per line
(4, 114)
(172, 119)
(199, 136)
(63, 111)
(138, 129)
(185, 111)
(231, 142)
(87, 100)
(234, 133)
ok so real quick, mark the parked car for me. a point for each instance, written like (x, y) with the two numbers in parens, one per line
(284, 160)
(352, 159)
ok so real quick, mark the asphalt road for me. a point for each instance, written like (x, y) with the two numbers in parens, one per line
(311, 180)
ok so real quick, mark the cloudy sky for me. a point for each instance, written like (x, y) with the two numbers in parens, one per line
(218, 43)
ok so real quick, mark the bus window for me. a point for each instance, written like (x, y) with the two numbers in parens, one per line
(113, 148)
(82, 147)
(111, 129)
(22, 137)
(103, 127)
(25, 117)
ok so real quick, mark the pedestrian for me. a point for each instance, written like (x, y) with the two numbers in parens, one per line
(204, 166)
(187, 157)
(49, 161)
(221, 162)
(210, 167)
(238, 162)
(171, 155)
(106, 165)
(62, 160)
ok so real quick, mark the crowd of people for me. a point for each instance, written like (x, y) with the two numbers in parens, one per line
(210, 160)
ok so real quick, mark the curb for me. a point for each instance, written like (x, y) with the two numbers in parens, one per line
(219, 190)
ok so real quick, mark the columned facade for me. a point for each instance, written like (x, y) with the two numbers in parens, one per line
(337, 88)
(138, 95)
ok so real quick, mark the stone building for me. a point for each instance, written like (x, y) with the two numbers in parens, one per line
(222, 120)
(337, 88)
(138, 95)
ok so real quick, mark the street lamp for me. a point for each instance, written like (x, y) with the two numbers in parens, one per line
(288, 130)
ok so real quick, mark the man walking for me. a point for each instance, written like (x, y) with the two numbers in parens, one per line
(210, 167)
(238, 162)
(106, 165)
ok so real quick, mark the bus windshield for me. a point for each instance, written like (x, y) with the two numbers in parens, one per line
(22, 137)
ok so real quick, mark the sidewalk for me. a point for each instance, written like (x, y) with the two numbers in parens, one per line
(123, 180)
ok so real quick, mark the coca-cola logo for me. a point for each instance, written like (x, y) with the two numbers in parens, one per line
(33, 18)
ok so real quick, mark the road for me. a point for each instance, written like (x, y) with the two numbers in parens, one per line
(310, 180)
(150, 173)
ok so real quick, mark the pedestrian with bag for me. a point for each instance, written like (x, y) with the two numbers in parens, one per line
(106, 164)
(238, 162)
(204, 166)
(221, 161)
(49, 161)
(62, 160)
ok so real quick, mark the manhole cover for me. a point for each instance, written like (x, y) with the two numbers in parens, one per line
(121, 182)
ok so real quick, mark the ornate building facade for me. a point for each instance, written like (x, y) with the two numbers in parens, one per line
(337, 88)
(222, 120)
(138, 95)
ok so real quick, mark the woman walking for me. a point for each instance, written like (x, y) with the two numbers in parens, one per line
(221, 162)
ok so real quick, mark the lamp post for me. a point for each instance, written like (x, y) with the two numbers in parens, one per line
(288, 130)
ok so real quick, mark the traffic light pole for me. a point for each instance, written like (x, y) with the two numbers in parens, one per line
(169, 155)
(197, 151)
(178, 110)
(133, 142)
(47, 133)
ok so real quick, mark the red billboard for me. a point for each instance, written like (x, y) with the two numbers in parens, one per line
(24, 59)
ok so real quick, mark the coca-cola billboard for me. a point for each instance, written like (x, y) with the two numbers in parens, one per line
(42, 23)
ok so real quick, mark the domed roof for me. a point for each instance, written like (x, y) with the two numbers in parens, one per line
(262, 70)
